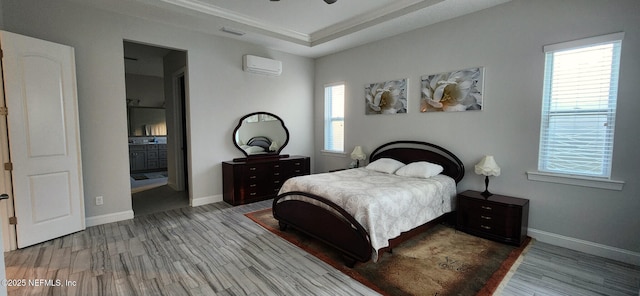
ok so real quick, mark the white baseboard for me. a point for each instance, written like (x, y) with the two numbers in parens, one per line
(586, 246)
(108, 218)
(126, 215)
(200, 201)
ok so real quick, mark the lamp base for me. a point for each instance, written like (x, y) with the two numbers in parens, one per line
(486, 192)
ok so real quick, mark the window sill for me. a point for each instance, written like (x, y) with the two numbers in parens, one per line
(576, 180)
(333, 153)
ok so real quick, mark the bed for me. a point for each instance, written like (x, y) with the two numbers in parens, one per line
(331, 214)
(257, 145)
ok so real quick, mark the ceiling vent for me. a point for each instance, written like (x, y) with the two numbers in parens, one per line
(260, 65)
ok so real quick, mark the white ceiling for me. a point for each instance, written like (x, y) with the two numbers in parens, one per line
(305, 27)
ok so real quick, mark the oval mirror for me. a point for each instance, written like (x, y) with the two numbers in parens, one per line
(260, 134)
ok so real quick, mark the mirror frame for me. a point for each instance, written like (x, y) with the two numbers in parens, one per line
(262, 155)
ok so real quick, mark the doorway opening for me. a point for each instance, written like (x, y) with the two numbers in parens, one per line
(156, 95)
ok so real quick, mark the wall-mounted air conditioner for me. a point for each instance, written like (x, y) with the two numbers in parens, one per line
(260, 65)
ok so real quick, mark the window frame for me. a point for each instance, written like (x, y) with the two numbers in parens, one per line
(602, 180)
(329, 118)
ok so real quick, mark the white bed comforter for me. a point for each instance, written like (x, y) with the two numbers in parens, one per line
(384, 204)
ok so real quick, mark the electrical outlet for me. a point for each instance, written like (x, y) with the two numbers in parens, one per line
(99, 201)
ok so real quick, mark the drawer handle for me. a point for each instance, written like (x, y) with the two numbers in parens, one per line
(252, 169)
(485, 227)
(276, 166)
(486, 208)
(485, 217)
(252, 177)
(253, 185)
(252, 193)
(297, 163)
(297, 171)
(276, 182)
(276, 174)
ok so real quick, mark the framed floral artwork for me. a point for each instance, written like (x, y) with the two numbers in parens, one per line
(452, 91)
(388, 97)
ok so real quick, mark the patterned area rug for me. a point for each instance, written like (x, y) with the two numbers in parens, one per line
(440, 261)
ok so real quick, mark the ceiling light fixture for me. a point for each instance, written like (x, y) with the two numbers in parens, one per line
(232, 31)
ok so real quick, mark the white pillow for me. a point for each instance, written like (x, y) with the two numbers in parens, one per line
(385, 165)
(420, 169)
(254, 149)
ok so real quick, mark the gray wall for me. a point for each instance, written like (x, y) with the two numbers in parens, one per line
(507, 40)
(148, 89)
(219, 93)
(174, 62)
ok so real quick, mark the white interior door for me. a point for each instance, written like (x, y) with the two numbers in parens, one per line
(6, 205)
(3, 270)
(44, 141)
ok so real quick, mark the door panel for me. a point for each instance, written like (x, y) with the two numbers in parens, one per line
(51, 207)
(44, 106)
(44, 141)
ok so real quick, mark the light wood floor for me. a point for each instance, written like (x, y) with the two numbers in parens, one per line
(552, 270)
(216, 250)
(208, 250)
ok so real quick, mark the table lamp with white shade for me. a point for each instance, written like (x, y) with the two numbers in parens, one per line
(358, 155)
(487, 167)
(274, 146)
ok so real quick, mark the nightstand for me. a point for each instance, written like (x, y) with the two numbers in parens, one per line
(498, 217)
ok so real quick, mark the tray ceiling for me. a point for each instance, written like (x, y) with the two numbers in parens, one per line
(304, 27)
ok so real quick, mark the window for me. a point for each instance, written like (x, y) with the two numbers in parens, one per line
(334, 117)
(579, 106)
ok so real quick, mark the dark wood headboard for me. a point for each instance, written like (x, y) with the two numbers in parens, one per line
(260, 141)
(413, 151)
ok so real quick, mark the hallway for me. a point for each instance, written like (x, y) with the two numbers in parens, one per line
(158, 199)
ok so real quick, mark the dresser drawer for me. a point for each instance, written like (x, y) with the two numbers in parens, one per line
(264, 174)
(255, 178)
(279, 172)
(256, 191)
(294, 168)
(255, 169)
(494, 221)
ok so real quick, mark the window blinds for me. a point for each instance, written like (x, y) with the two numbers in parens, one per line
(334, 118)
(579, 106)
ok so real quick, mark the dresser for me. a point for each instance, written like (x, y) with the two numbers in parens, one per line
(252, 180)
(497, 217)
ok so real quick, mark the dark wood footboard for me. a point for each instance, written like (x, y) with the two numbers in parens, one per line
(336, 228)
(342, 231)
